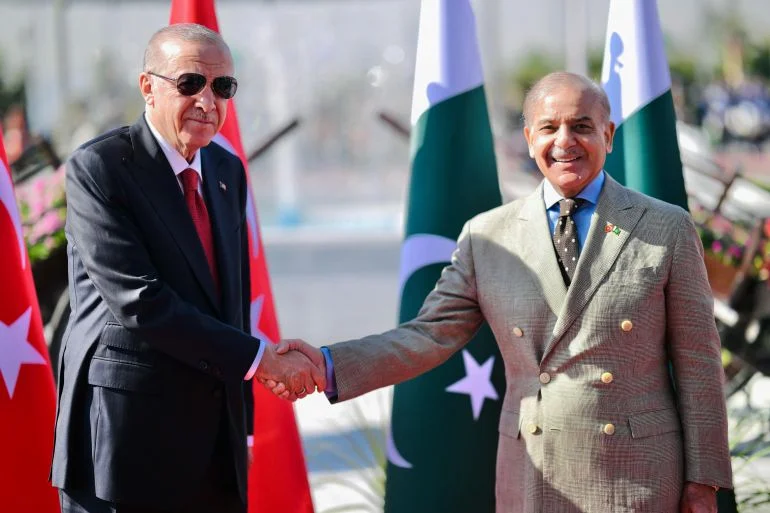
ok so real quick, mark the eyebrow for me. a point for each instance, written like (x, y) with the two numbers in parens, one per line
(548, 121)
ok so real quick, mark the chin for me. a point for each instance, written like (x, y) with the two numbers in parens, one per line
(200, 140)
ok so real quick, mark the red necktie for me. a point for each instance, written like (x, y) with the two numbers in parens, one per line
(200, 217)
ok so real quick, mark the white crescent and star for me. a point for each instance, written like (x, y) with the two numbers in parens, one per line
(16, 350)
(9, 202)
(419, 251)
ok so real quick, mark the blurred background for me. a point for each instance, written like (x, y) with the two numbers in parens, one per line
(68, 71)
(324, 104)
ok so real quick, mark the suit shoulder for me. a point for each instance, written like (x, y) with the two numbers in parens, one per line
(496, 216)
(94, 161)
(110, 141)
(658, 208)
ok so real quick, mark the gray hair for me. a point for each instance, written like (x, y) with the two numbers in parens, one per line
(548, 83)
(188, 32)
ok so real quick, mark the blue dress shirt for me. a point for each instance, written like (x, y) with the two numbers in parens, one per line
(582, 217)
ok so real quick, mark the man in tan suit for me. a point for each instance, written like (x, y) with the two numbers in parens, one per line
(591, 420)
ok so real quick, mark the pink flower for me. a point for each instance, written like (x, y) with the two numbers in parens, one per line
(46, 225)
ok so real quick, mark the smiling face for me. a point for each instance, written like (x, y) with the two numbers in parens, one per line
(569, 135)
(188, 123)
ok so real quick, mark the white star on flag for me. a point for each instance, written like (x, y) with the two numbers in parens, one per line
(15, 350)
(477, 382)
(256, 315)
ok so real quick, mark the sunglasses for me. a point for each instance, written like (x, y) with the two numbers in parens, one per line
(189, 84)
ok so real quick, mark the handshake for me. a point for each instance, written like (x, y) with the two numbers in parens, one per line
(292, 369)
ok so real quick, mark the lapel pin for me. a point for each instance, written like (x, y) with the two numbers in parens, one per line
(223, 186)
(611, 228)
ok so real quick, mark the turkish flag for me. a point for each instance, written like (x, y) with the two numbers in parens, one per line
(27, 393)
(278, 477)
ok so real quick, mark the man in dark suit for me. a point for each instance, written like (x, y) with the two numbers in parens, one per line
(156, 361)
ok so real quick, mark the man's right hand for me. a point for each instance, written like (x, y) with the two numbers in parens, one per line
(298, 374)
(289, 347)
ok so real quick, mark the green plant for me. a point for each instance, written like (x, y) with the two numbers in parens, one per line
(726, 240)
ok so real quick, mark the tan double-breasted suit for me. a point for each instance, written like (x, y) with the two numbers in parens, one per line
(591, 420)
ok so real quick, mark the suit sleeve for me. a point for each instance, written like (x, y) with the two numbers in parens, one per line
(694, 349)
(448, 319)
(104, 232)
(248, 390)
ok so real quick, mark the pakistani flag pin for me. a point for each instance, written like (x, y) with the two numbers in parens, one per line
(611, 228)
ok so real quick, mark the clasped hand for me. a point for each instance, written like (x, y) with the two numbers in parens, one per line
(292, 369)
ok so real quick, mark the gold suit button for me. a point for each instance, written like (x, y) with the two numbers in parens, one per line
(532, 427)
(607, 378)
(518, 332)
(545, 378)
(609, 429)
(626, 325)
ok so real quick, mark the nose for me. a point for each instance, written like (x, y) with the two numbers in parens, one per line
(564, 137)
(205, 99)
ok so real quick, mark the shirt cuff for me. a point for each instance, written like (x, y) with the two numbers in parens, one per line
(331, 378)
(250, 441)
(257, 359)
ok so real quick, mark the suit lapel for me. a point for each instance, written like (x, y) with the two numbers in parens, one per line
(537, 250)
(154, 175)
(225, 238)
(599, 254)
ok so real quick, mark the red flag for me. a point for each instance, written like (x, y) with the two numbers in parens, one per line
(27, 393)
(278, 477)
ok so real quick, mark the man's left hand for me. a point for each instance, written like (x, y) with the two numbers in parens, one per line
(698, 498)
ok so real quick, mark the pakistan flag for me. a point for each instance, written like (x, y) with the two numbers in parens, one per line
(443, 443)
(637, 80)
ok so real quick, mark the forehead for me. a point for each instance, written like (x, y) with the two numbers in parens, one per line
(205, 58)
(567, 103)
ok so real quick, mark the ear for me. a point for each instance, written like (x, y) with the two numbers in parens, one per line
(145, 86)
(527, 136)
(609, 135)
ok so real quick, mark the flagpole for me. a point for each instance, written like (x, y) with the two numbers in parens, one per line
(488, 16)
(279, 102)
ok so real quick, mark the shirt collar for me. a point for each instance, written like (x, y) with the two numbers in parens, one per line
(175, 159)
(589, 193)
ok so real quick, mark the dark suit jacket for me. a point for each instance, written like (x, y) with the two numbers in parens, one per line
(152, 359)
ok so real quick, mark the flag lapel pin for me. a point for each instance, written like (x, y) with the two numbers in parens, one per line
(611, 228)
(223, 186)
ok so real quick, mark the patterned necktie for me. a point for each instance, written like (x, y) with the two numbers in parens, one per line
(200, 217)
(565, 238)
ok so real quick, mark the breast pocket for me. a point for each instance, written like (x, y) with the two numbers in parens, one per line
(627, 289)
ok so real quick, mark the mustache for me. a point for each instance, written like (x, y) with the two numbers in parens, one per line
(199, 115)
